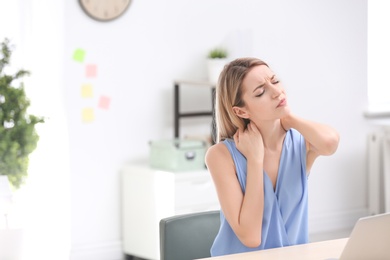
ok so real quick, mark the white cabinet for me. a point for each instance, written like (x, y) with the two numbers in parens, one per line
(148, 195)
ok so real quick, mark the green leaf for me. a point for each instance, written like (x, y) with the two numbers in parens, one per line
(18, 137)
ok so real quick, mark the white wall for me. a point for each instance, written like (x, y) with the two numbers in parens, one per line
(317, 47)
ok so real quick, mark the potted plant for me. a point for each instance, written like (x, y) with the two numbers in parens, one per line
(216, 60)
(17, 127)
(11, 236)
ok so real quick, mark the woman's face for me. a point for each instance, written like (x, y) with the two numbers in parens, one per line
(264, 96)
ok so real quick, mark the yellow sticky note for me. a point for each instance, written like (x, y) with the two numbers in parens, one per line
(79, 55)
(86, 91)
(88, 115)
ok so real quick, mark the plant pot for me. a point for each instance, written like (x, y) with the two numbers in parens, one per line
(11, 241)
(214, 68)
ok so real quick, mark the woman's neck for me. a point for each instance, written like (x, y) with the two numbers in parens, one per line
(273, 134)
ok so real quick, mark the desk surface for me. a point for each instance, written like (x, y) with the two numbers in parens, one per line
(330, 249)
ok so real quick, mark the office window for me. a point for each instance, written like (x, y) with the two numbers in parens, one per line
(378, 57)
(10, 27)
(42, 205)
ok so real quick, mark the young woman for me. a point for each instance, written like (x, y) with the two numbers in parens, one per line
(261, 160)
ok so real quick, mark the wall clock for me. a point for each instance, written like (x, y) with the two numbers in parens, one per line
(104, 10)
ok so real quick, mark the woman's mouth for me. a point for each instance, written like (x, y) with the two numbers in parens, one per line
(282, 103)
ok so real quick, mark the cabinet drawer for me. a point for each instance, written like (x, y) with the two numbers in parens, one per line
(195, 191)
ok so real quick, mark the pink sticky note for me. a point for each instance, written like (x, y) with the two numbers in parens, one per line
(104, 102)
(90, 70)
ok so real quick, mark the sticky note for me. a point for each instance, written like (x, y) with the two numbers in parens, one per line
(79, 55)
(104, 102)
(86, 91)
(88, 115)
(90, 71)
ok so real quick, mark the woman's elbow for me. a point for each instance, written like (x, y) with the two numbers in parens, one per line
(332, 143)
(249, 235)
(251, 242)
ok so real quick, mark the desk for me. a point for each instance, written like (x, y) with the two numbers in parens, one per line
(312, 251)
(163, 194)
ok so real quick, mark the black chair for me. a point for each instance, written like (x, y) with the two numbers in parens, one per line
(188, 236)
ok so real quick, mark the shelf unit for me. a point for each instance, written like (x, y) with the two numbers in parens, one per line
(178, 115)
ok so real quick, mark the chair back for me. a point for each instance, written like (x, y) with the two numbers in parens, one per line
(188, 236)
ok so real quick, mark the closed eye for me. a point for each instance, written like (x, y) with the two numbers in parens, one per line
(260, 94)
(274, 80)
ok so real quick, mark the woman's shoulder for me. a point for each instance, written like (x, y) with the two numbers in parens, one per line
(294, 135)
(294, 132)
(217, 152)
(219, 160)
(216, 149)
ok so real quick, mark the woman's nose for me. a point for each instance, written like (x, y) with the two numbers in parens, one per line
(276, 90)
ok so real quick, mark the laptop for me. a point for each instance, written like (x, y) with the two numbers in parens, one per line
(369, 239)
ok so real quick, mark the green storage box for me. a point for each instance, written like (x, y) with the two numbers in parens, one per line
(177, 155)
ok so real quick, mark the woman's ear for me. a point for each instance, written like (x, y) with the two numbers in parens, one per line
(240, 112)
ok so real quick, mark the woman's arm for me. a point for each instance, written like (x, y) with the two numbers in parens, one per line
(321, 139)
(244, 212)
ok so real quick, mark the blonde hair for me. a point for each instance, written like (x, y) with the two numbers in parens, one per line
(229, 94)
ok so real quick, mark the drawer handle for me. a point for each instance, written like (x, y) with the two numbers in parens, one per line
(190, 155)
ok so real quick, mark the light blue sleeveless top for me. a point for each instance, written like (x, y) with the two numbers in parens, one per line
(285, 220)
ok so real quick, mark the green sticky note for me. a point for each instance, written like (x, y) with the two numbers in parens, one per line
(79, 55)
